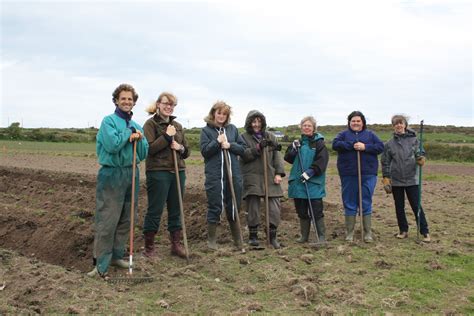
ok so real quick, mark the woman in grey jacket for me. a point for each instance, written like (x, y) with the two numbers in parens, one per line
(400, 162)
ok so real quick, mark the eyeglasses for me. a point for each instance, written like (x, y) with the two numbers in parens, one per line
(168, 104)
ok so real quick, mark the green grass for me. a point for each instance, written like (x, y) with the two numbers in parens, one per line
(48, 148)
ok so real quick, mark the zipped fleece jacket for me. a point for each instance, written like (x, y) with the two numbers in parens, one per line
(252, 161)
(160, 154)
(113, 147)
(344, 142)
(399, 159)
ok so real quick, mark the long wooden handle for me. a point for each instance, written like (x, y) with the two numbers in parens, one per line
(359, 179)
(267, 210)
(181, 208)
(132, 208)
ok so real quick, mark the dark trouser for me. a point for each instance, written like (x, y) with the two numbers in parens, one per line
(412, 195)
(161, 189)
(220, 198)
(303, 210)
(112, 217)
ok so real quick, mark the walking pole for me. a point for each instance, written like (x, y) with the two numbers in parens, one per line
(181, 210)
(359, 180)
(313, 220)
(420, 173)
(267, 211)
(234, 200)
(132, 208)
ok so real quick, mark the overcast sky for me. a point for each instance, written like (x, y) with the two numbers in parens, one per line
(60, 61)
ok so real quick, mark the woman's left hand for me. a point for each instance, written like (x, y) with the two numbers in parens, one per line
(359, 146)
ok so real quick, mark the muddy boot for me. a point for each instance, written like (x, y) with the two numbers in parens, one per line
(235, 231)
(149, 244)
(253, 236)
(367, 222)
(119, 263)
(350, 224)
(211, 236)
(273, 237)
(321, 229)
(96, 274)
(176, 247)
(305, 226)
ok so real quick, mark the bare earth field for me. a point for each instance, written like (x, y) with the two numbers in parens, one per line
(46, 220)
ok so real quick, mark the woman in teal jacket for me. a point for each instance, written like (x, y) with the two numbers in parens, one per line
(315, 158)
(114, 181)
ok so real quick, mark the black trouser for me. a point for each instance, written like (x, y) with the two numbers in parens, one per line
(302, 208)
(412, 195)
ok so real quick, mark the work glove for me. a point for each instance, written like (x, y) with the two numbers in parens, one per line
(387, 185)
(296, 144)
(263, 143)
(420, 161)
(307, 174)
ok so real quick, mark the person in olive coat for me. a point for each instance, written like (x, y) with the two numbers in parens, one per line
(258, 140)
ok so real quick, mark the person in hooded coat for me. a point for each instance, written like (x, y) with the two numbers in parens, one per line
(258, 140)
(314, 159)
(401, 160)
(217, 138)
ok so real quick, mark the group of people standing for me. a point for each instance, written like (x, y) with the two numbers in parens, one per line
(244, 167)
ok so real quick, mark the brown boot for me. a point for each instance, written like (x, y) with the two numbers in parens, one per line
(176, 247)
(149, 244)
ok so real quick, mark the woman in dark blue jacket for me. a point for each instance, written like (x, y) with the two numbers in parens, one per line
(217, 135)
(347, 143)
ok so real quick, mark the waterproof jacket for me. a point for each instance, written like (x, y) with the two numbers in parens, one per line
(160, 154)
(214, 163)
(113, 146)
(399, 159)
(252, 161)
(314, 154)
(344, 142)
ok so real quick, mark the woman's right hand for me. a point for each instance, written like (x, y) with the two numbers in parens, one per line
(171, 130)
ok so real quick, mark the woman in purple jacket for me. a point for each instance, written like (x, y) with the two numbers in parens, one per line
(356, 138)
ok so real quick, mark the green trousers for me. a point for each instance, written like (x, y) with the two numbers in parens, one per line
(161, 190)
(112, 216)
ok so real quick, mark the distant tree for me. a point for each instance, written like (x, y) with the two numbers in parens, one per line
(14, 131)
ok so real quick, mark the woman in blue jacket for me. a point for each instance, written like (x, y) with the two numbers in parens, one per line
(216, 136)
(356, 138)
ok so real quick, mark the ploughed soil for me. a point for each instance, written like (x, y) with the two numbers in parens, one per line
(46, 234)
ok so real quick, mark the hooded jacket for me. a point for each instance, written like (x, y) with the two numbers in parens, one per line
(399, 159)
(252, 160)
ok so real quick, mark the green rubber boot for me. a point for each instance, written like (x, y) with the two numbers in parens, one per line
(367, 222)
(350, 224)
(211, 236)
(305, 226)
